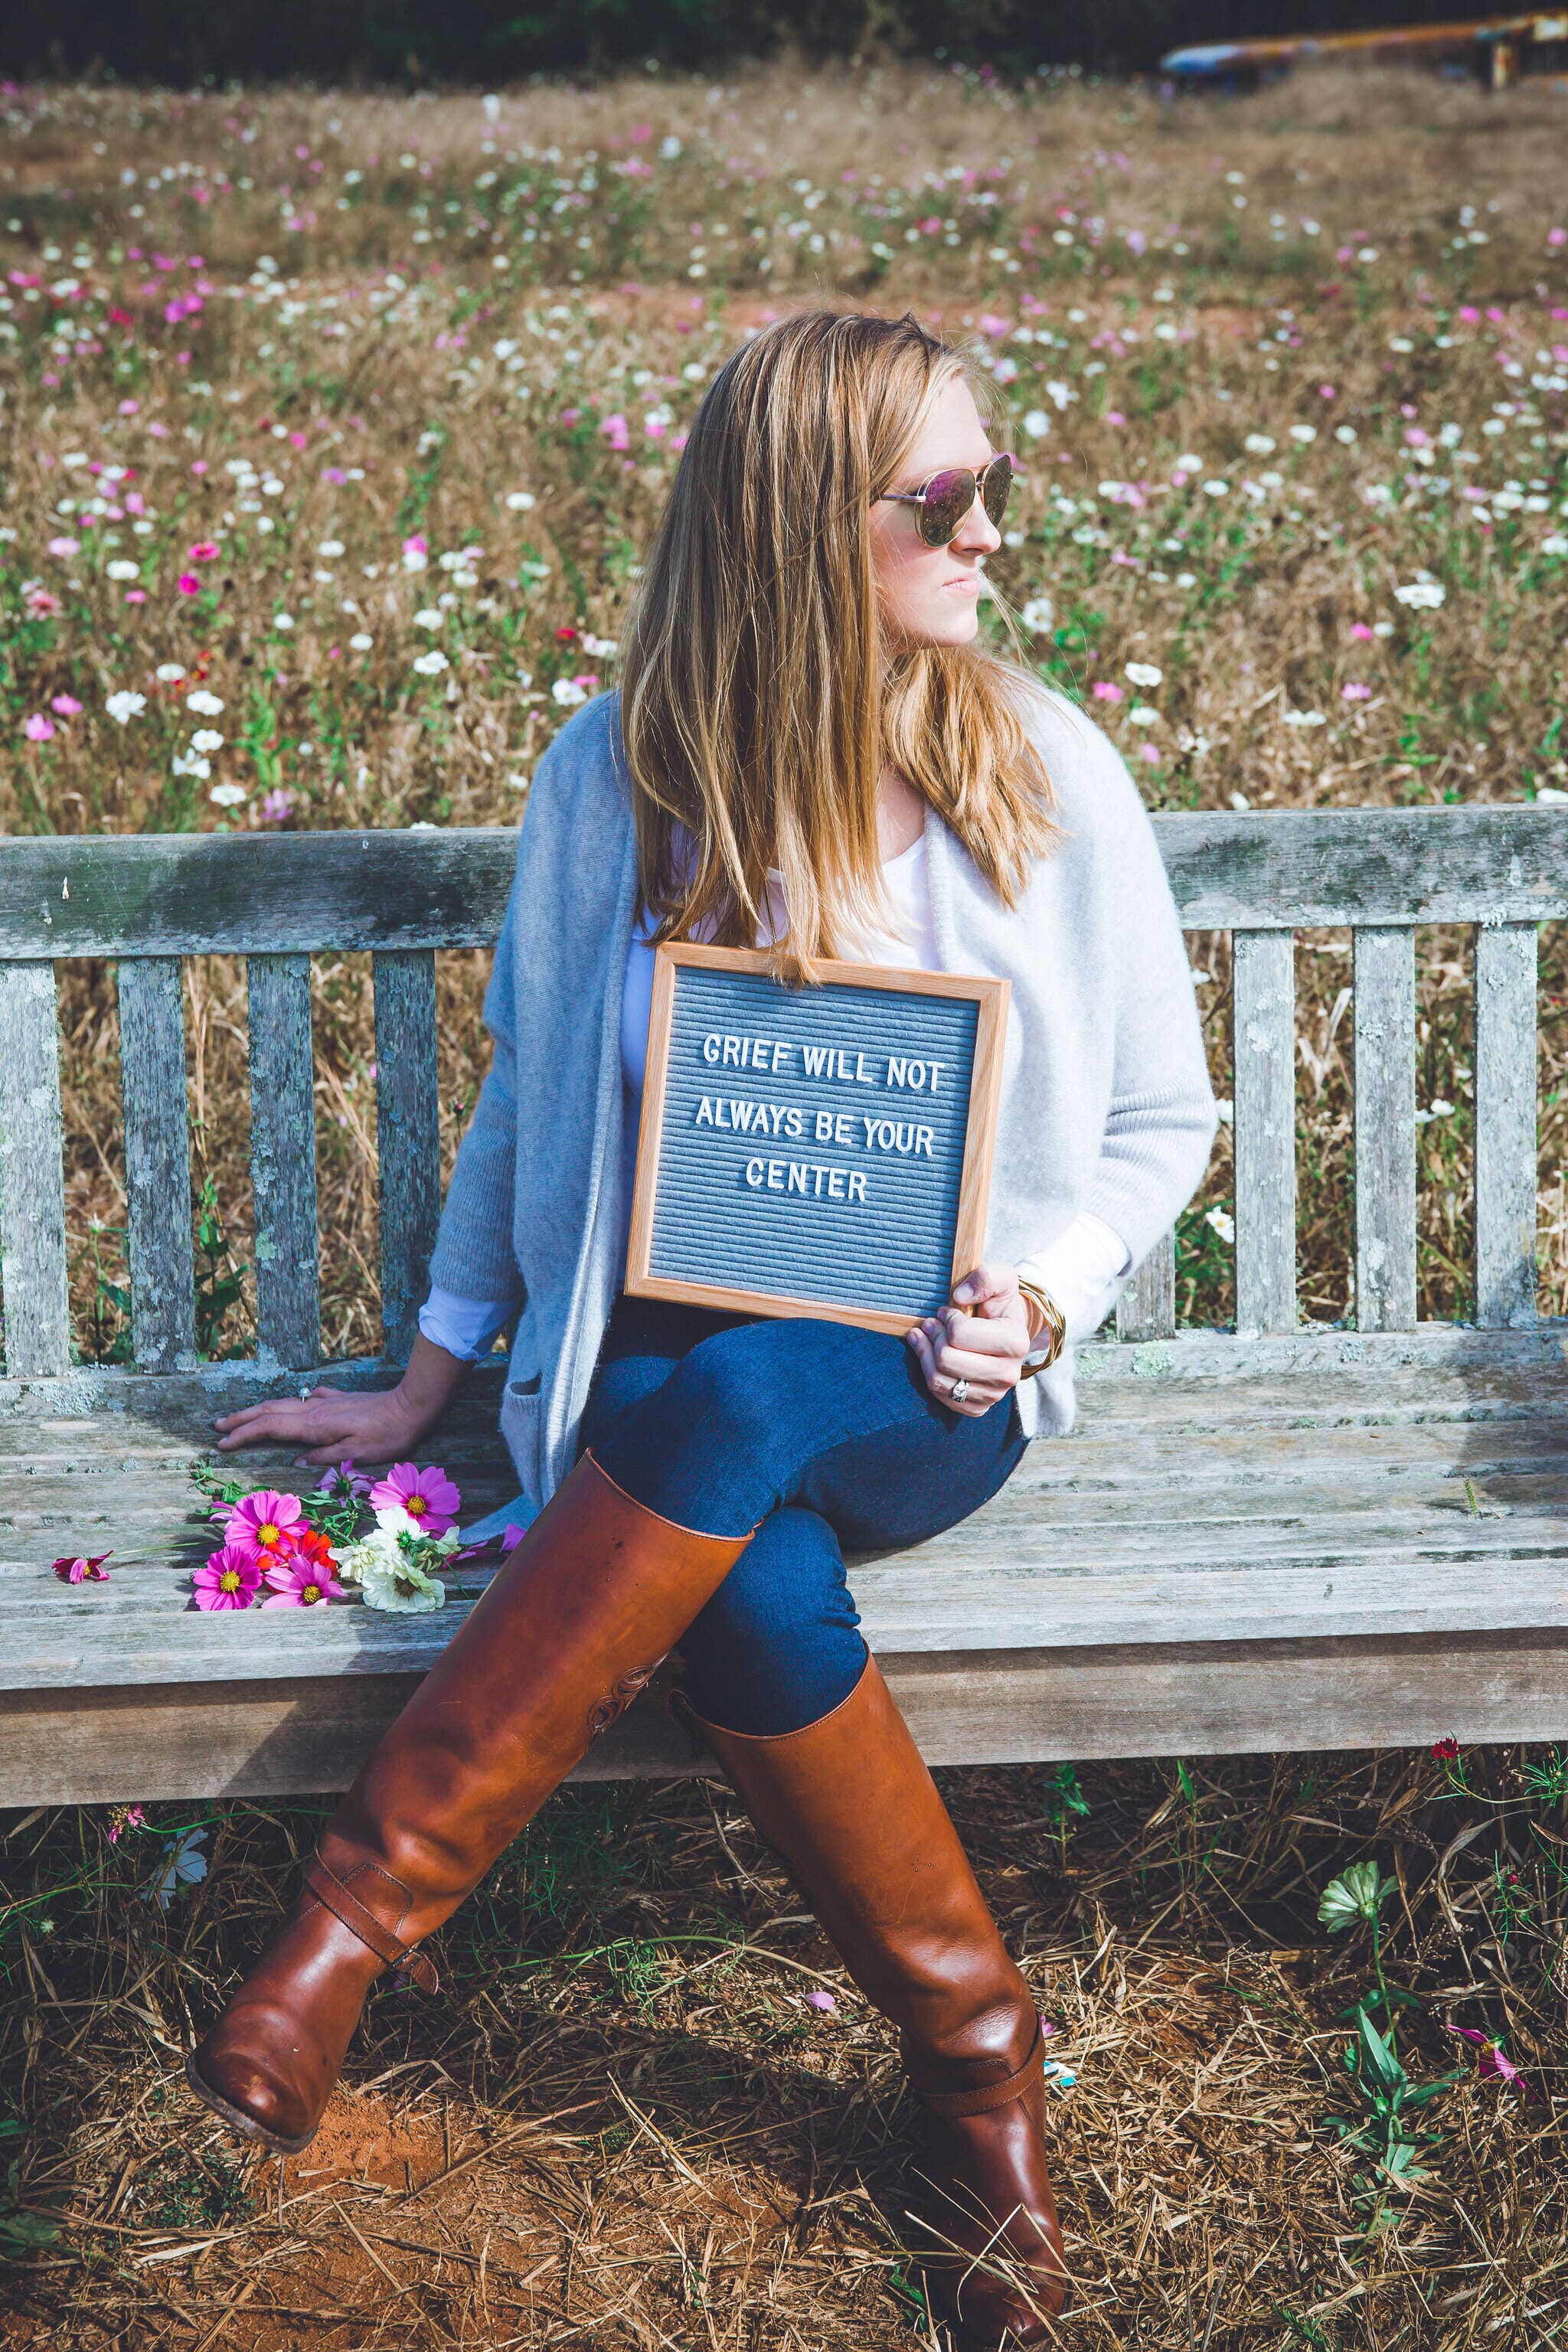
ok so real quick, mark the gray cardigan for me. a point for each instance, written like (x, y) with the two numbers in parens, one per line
(1105, 1106)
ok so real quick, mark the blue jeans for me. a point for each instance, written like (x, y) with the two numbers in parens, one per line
(818, 1435)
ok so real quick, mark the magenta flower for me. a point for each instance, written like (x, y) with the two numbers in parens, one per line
(1105, 692)
(265, 1526)
(204, 551)
(39, 729)
(230, 1580)
(1360, 633)
(65, 704)
(63, 546)
(300, 1583)
(1355, 692)
(277, 807)
(123, 1818)
(42, 603)
(1493, 2060)
(79, 1571)
(343, 1482)
(820, 1999)
(428, 1495)
(188, 585)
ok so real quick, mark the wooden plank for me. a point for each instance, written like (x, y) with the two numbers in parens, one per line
(1022, 1706)
(283, 1161)
(1384, 1054)
(33, 1279)
(294, 893)
(246, 893)
(1146, 1309)
(157, 1163)
(408, 1138)
(1505, 1124)
(1264, 998)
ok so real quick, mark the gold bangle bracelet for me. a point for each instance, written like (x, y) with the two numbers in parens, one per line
(1053, 1326)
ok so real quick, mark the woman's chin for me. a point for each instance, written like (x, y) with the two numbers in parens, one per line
(959, 626)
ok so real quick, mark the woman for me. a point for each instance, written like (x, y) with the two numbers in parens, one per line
(809, 752)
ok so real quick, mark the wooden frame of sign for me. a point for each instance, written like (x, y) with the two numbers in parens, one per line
(923, 1180)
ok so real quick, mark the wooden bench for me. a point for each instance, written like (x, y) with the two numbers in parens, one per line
(1264, 1538)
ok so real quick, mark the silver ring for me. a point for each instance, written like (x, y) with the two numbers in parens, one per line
(959, 1390)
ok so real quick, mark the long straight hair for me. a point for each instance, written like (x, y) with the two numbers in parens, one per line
(759, 703)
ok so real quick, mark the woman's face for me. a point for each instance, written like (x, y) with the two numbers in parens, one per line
(930, 596)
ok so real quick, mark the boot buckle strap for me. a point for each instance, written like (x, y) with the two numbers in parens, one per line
(952, 2105)
(336, 1896)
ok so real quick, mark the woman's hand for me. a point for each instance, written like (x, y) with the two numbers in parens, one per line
(372, 1425)
(982, 1339)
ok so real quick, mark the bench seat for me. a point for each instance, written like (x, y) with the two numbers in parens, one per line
(1317, 1539)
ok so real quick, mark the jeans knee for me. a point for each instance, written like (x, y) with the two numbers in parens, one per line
(779, 1645)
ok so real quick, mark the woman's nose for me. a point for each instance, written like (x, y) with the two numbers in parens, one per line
(979, 535)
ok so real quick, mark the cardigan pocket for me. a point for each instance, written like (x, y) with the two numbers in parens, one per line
(522, 1417)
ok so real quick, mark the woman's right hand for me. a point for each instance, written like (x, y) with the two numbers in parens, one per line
(370, 1424)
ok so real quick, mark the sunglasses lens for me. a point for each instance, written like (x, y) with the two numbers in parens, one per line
(947, 498)
(998, 486)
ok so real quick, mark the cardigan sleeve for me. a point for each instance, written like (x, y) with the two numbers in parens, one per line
(474, 1257)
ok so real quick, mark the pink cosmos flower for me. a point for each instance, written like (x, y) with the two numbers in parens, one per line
(343, 1482)
(204, 551)
(38, 730)
(265, 1526)
(42, 603)
(1355, 692)
(230, 1580)
(64, 547)
(65, 704)
(1105, 692)
(129, 407)
(188, 585)
(79, 1571)
(428, 1495)
(1492, 2059)
(416, 545)
(820, 1999)
(1360, 633)
(277, 807)
(302, 1583)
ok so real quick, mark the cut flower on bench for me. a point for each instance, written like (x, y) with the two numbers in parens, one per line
(386, 1539)
(392, 1567)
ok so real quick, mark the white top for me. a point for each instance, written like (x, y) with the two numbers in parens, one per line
(1079, 1270)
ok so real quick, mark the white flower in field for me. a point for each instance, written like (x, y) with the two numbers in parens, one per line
(1303, 434)
(567, 692)
(1216, 489)
(1550, 794)
(1036, 424)
(1420, 595)
(1345, 434)
(125, 705)
(1303, 718)
(1555, 544)
(504, 349)
(1225, 1110)
(121, 570)
(228, 795)
(360, 642)
(1037, 615)
(205, 705)
(670, 148)
(1259, 444)
(1143, 714)
(432, 664)
(427, 618)
(521, 500)
(283, 620)
(1143, 674)
(601, 648)
(169, 673)
(331, 547)
(414, 559)
(191, 763)
(1222, 1222)
(207, 739)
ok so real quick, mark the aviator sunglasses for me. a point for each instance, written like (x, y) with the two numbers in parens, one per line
(943, 501)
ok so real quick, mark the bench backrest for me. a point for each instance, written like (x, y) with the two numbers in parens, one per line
(149, 901)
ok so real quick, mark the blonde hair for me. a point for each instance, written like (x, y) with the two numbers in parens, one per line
(758, 705)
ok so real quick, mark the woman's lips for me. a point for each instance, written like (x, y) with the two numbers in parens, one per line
(966, 584)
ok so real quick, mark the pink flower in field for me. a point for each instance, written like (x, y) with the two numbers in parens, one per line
(136, 595)
(129, 407)
(277, 807)
(131, 1818)
(1557, 236)
(1492, 2059)
(1148, 752)
(1327, 391)
(1104, 691)
(63, 547)
(428, 1496)
(204, 551)
(1470, 315)
(231, 1580)
(1360, 633)
(82, 1571)
(188, 585)
(38, 730)
(42, 603)
(65, 704)
(1355, 692)
(416, 545)
(300, 1583)
(992, 325)
(820, 1999)
(264, 1524)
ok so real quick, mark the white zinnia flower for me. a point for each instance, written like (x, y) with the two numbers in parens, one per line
(360, 642)
(432, 664)
(1143, 674)
(125, 705)
(565, 690)
(1037, 615)
(1421, 596)
(207, 739)
(205, 705)
(121, 570)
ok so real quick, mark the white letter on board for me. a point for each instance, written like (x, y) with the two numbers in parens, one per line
(775, 1176)
(754, 1173)
(711, 1049)
(704, 1113)
(857, 1183)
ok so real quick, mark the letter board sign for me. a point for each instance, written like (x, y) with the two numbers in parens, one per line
(821, 1149)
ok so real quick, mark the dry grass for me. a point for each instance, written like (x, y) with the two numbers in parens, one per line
(615, 2131)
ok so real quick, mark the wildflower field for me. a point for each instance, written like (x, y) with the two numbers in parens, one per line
(331, 428)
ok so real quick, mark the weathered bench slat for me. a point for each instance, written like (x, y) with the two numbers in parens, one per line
(157, 1163)
(1384, 1056)
(33, 1275)
(243, 894)
(1505, 1123)
(1264, 1012)
(283, 1161)
(1147, 1306)
(408, 1138)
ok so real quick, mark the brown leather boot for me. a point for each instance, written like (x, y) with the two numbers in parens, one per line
(573, 1624)
(852, 1809)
